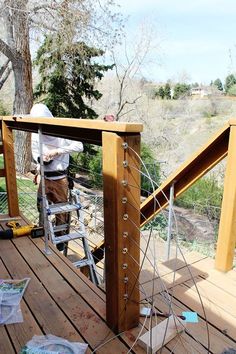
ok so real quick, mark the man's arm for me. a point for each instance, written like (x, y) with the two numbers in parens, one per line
(68, 146)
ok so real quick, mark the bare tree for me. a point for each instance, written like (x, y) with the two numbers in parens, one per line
(129, 70)
(86, 20)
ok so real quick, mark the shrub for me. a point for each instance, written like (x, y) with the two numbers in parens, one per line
(159, 223)
(205, 196)
(3, 110)
(152, 169)
(95, 169)
(232, 90)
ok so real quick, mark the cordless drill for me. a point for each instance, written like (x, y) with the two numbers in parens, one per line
(16, 230)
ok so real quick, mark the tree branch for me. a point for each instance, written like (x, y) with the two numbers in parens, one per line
(7, 73)
(123, 105)
(7, 51)
(4, 67)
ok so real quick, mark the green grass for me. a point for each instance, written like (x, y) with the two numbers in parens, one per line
(23, 185)
(1, 161)
(27, 196)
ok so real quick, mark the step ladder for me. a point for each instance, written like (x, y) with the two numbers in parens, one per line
(73, 205)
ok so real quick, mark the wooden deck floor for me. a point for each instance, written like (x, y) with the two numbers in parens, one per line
(61, 301)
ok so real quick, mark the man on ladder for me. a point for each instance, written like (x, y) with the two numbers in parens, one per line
(55, 156)
(56, 153)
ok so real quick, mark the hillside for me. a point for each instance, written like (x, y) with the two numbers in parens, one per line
(174, 129)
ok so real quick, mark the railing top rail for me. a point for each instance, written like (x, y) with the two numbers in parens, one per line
(191, 170)
(86, 130)
(232, 121)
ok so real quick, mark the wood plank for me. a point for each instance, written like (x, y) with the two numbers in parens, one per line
(191, 259)
(161, 334)
(20, 333)
(227, 228)
(231, 275)
(121, 127)
(49, 316)
(218, 340)
(224, 281)
(182, 342)
(122, 238)
(85, 130)
(215, 315)
(9, 162)
(169, 281)
(82, 316)
(217, 296)
(5, 344)
(88, 291)
(128, 337)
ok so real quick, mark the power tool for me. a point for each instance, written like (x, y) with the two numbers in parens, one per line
(16, 230)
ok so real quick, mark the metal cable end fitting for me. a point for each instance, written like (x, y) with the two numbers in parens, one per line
(126, 279)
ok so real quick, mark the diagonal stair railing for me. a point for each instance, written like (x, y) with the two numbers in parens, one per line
(223, 143)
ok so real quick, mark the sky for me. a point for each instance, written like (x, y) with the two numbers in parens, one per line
(196, 39)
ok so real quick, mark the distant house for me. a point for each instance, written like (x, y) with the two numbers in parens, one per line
(204, 91)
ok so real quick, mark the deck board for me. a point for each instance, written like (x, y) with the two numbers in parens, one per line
(5, 344)
(218, 340)
(60, 300)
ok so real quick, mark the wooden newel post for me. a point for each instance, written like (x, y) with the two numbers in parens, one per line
(227, 228)
(121, 183)
(10, 171)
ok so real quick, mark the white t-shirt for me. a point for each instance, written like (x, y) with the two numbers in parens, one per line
(65, 147)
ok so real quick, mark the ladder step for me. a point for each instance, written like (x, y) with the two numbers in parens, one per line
(62, 208)
(62, 227)
(82, 263)
(68, 237)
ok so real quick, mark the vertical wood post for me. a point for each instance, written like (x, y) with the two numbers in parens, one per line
(227, 228)
(121, 183)
(10, 171)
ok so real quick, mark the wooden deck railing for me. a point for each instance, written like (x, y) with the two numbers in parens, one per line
(223, 143)
(122, 268)
(120, 184)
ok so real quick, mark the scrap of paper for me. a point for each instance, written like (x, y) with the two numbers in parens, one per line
(190, 317)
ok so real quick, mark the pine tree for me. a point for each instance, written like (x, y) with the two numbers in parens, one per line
(167, 91)
(217, 83)
(229, 81)
(68, 77)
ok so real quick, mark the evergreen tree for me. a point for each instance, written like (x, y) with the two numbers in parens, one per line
(167, 91)
(181, 90)
(68, 75)
(161, 92)
(229, 81)
(217, 83)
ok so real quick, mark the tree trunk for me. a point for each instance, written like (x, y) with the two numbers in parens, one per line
(22, 68)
